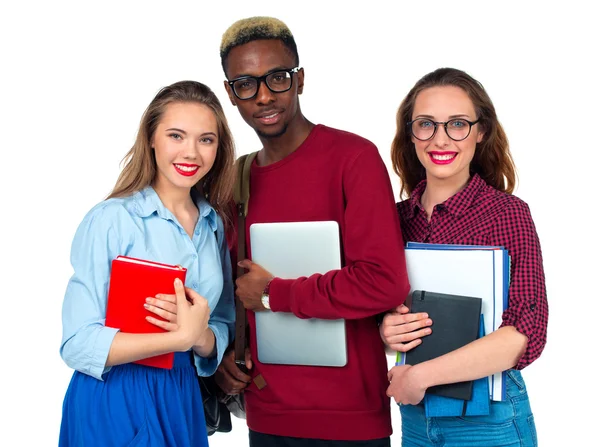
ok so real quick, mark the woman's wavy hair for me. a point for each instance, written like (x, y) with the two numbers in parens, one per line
(139, 164)
(492, 160)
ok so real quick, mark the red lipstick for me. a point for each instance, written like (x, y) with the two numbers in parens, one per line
(442, 158)
(188, 169)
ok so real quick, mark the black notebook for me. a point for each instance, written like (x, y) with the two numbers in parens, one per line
(455, 324)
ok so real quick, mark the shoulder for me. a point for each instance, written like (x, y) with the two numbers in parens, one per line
(108, 214)
(351, 143)
(506, 204)
(507, 213)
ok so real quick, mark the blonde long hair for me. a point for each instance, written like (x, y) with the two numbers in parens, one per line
(139, 164)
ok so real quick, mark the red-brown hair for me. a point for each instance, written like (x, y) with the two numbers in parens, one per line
(492, 161)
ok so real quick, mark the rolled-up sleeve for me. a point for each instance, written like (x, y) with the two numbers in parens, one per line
(86, 341)
(527, 302)
(222, 318)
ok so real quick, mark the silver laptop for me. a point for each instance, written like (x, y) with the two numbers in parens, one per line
(291, 250)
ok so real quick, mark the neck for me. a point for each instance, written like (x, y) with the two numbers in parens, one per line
(439, 190)
(176, 200)
(277, 148)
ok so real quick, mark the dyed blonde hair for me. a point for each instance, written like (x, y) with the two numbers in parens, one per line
(256, 28)
(139, 164)
(492, 160)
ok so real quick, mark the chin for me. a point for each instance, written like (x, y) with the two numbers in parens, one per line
(272, 133)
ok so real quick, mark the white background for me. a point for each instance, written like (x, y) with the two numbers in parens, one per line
(76, 77)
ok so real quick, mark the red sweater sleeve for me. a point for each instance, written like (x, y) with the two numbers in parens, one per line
(374, 277)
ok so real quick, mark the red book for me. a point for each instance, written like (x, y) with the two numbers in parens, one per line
(131, 282)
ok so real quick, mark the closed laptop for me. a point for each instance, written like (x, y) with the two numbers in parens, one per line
(291, 250)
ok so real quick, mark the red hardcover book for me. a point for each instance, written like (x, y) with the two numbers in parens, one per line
(133, 280)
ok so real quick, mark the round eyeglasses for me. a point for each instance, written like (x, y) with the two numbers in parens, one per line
(278, 81)
(424, 129)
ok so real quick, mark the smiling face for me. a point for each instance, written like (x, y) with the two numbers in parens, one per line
(185, 145)
(443, 158)
(268, 113)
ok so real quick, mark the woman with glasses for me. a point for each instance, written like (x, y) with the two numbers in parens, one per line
(453, 159)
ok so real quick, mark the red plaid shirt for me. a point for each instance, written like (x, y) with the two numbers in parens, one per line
(482, 215)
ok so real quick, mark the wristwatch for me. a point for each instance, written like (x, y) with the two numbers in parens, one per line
(265, 296)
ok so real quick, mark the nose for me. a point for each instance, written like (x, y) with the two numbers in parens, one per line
(264, 95)
(190, 151)
(441, 138)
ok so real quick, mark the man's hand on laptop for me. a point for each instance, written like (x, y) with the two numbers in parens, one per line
(250, 286)
(229, 377)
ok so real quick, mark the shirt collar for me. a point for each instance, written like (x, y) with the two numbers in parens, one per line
(458, 204)
(146, 202)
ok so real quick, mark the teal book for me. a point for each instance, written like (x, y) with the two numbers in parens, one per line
(478, 405)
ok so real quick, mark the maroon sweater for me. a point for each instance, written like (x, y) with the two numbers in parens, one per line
(333, 175)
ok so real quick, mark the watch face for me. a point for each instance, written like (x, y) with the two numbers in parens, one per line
(265, 301)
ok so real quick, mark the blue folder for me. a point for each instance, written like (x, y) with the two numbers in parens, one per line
(479, 405)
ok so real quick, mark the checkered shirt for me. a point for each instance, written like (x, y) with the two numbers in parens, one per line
(482, 215)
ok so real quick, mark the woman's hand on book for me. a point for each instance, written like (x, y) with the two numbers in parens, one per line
(164, 306)
(402, 330)
(192, 315)
(406, 385)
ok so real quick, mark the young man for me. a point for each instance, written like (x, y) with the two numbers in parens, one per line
(308, 172)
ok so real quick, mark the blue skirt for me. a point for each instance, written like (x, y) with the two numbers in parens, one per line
(135, 405)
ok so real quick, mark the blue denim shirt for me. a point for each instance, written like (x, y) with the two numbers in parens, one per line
(141, 227)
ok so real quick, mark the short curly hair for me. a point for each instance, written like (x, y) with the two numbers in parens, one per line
(256, 28)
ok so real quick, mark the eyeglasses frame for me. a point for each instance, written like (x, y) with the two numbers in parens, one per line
(445, 123)
(263, 79)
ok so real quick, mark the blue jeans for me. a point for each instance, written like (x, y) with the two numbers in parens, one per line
(510, 423)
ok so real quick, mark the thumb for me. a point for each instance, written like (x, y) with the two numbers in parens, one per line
(248, 359)
(246, 264)
(390, 374)
(402, 309)
(192, 296)
(179, 293)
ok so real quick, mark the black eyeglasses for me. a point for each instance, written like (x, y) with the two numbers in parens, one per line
(424, 129)
(277, 81)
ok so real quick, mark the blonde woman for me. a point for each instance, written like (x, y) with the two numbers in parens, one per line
(168, 206)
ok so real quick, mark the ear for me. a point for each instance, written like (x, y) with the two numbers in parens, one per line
(480, 136)
(230, 93)
(300, 81)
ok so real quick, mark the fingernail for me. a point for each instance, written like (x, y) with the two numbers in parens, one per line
(148, 300)
(146, 306)
(177, 282)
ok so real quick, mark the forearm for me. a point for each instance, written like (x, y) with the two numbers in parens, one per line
(496, 352)
(127, 348)
(357, 291)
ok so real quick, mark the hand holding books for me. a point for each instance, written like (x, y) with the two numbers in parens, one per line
(192, 317)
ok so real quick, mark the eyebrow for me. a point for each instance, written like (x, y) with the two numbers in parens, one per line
(278, 68)
(171, 129)
(176, 130)
(460, 115)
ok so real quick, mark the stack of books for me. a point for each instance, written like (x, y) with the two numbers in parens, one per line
(458, 272)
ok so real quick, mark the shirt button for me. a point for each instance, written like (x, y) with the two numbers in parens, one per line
(194, 256)
(532, 307)
(194, 284)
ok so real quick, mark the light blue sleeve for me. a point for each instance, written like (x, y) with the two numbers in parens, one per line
(86, 341)
(222, 318)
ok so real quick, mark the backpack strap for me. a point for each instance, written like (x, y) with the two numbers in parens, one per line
(241, 196)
